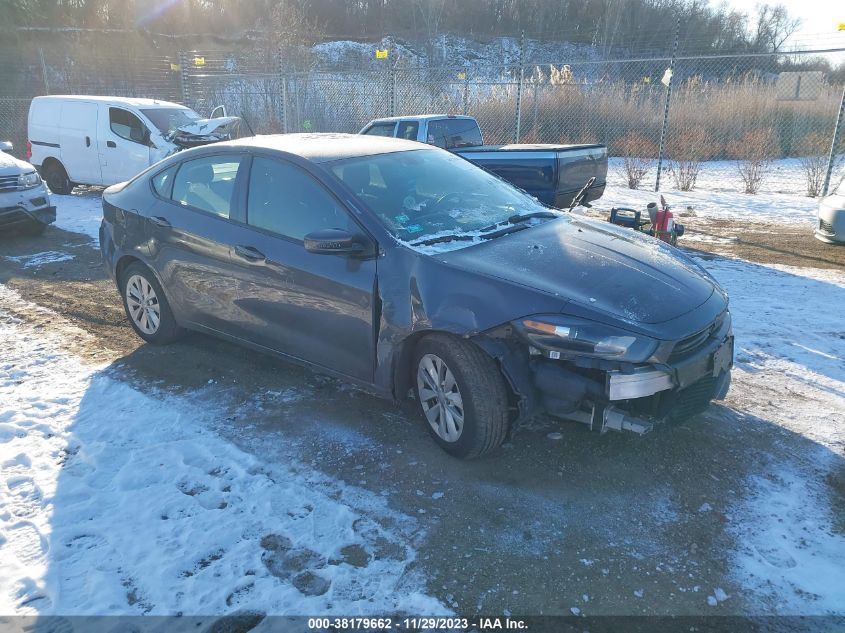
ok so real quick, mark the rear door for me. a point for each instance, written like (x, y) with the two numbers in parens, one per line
(78, 141)
(123, 144)
(318, 308)
(192, 229)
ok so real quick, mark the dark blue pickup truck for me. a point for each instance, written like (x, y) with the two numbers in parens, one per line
(551, 173)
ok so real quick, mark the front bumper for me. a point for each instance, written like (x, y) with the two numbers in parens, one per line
(19, 209)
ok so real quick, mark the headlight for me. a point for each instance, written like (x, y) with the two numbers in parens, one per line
(29, 180)
(572, 336)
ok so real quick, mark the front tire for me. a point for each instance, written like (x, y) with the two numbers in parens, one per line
(462, 396)
(146, 306)
(56, 178)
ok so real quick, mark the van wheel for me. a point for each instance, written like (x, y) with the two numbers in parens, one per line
(462, 394)
(146, 306)
(56, 178)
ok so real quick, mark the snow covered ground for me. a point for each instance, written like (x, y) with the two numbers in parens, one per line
(80, 212)
(719, 193)
(115, 502)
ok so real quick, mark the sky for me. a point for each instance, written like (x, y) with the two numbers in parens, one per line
(819, 20)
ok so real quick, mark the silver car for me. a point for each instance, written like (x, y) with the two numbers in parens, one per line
(24, 199)
(831, 226)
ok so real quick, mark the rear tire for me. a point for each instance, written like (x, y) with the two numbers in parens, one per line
(462, 395)
(56, 178)
(146, 306)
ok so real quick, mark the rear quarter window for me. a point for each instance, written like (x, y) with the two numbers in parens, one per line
(163, 181)
(380, 129)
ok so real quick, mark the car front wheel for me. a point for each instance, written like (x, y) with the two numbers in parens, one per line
(146, 306)
(462, 395)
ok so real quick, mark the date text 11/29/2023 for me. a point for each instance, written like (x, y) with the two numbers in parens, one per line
(417, 624)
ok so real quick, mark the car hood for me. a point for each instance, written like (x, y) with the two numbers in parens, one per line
(10, 166)
(206, 127)
(598, 266)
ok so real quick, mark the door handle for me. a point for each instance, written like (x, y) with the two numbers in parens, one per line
(87, 141)
(111, 144)
(250, 253)
(160, 221)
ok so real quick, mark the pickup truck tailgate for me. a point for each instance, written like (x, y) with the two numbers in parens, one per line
(551, 173)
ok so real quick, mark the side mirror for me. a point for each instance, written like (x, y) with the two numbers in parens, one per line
(334, 242)
(6, 146)
(219, 111)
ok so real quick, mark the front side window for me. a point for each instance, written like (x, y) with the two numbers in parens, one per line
(449, 133)
(127, 125)
(207, 184)
(381, 129)
(286, 200)
(422, 193)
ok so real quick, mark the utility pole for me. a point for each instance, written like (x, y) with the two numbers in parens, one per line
(666, 105)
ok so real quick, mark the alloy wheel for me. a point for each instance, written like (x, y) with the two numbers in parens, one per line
(143, 305)
(440, 397)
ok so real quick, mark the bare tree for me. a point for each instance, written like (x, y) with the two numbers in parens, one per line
(686, 153)
(638, 154)
(754, 153)
(814, 161)
(774, 26)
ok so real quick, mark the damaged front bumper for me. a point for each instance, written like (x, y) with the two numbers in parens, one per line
(22, 209)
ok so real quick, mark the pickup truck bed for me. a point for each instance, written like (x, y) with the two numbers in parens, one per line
(551, 173)
(532, 168)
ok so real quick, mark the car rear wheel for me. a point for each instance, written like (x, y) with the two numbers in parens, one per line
(146, 306)
(56, 178)
(462, 396)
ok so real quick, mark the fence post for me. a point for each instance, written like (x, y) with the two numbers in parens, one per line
(44, 71)
(466, 91)
(519, 86)
(666, 106)
(283, 88)
(391, 78)
(183, 77)
(832, 158)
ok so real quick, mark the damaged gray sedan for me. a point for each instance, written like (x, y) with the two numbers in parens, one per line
(415, 274)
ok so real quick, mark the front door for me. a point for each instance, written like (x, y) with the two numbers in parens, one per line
(124, 145)
(318, 308)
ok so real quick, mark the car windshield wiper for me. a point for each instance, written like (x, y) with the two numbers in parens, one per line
(523, 217)
(463, 236)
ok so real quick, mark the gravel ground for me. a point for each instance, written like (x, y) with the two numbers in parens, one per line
(559, 519)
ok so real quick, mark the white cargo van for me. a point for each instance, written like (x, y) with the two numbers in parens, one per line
(82, 140)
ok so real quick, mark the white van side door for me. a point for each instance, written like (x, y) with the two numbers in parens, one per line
(78, 142)
(124, 144)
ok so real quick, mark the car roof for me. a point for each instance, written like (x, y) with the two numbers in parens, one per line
(420, 117)
(137, 102)
(322, 148)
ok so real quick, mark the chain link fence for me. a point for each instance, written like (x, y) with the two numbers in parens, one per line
(750, 109)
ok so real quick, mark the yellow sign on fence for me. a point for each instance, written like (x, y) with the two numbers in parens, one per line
(199, 61)
(381, 53)
(842, 26)
(175, 68)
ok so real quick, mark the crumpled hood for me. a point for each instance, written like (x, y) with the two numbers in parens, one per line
(599, 266)
(205, 127)
(10, 166)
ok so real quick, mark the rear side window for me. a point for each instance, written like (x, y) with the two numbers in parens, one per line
(408, 130)
(163, 182)
(286, 200)
(449, 133)
(381, 129)
(127, 125)
(207, 184)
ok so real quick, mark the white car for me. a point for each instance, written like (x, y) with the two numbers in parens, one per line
(24, 200)
(88, 140)
(831, 226)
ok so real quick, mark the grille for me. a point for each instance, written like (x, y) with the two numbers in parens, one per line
(825, 227)
(689, 344)
(693, 400)
(8, 183)
(10, 216)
